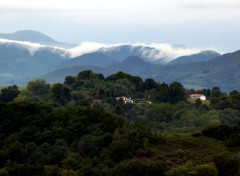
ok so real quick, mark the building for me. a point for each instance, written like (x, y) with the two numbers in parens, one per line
(125, 99)
(196, 96)
(142, 100)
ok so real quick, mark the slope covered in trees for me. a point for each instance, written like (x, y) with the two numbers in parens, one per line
(79, 128)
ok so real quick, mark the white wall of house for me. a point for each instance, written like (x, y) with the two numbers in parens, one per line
(201, 98)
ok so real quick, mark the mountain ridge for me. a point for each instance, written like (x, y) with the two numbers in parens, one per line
(199, 57)
(35, 37)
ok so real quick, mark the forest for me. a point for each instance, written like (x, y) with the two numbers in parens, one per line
(84, 128)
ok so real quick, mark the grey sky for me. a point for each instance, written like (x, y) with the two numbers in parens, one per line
(203, 24)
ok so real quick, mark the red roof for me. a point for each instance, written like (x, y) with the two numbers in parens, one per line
(196, 95)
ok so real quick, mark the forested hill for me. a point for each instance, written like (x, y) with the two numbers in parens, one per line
(84, 127)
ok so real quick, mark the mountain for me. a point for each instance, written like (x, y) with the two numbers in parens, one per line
(136, 66)
(92, 59)
(222, 71)
(132, 65)
(148, 54)
(60, 74)
(35, 37)
(18, 61)
(199, 57)
(23, 61)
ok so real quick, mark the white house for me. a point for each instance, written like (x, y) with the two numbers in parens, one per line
(196, 96)
(125, 99)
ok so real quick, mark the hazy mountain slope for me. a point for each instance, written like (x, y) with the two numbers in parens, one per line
(24, 61)
(199, 57)
(146, 53)
(35, 37)
(222, 71)
(132, 65)
(59, 75)
(18, 61)
(93, 59)
(136, 66)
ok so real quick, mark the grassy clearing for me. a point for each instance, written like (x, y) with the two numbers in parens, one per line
(181, 148)
(206, 102)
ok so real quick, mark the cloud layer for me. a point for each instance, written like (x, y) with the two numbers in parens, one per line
(32, 48)
(157, 51)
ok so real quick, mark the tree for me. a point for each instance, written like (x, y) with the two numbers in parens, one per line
(36, 91)
(198, 102)
(162, 93)
(216, 92)
(234, 92)
(149, 84)
(176, 92)
(70, 80)
(60, 94)
(88, 74)
(9, 94)
(38, 87)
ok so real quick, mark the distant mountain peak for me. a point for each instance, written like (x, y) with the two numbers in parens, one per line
(29, 36)
(34, 37)
(133, 60)
(199, 57)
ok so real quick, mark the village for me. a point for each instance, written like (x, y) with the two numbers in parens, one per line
(130, 100)
(144, 101)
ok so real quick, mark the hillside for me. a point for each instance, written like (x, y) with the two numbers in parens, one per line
(132, 65)
(199, 57)
(35, 37)
(148, 54)
(92, 59)
(19, 61)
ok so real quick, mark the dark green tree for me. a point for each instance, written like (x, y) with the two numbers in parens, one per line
(60, 94)
(176, 92)
(198, 102)
(234, 92)
(9, 94)
(216, 92)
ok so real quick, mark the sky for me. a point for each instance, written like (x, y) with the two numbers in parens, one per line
(206, 24)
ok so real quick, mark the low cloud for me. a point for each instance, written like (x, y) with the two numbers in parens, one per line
(169, 52)
(86, 47)
(153, 52)
(32, 48)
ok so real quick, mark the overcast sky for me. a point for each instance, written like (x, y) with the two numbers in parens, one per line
(203, 24)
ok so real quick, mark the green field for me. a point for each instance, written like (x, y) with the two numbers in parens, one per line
(206, 102)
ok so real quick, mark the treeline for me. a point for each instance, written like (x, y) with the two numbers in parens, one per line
(88, 86)
(170, 110)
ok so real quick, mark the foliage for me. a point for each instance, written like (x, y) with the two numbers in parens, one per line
(60, 94)
(190, 170)
(78, 128)
(9, 94)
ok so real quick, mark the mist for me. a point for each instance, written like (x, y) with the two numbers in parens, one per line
(153, 51)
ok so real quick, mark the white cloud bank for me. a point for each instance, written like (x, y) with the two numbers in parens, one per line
(157, 51)
(33, 47)
(153, 51)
